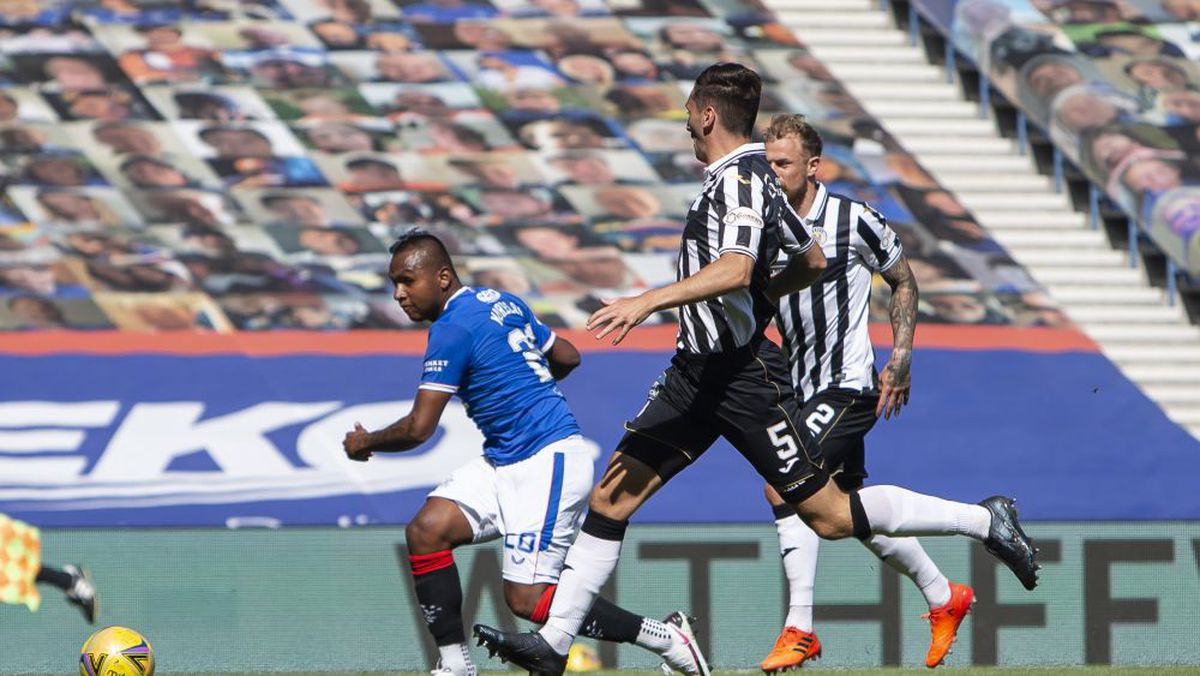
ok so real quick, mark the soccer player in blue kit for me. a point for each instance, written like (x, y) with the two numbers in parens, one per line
(530, 486)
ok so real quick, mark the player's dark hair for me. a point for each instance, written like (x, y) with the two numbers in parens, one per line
(733, 90)
(427, 243)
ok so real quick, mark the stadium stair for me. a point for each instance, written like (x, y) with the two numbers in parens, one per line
(1150, 340)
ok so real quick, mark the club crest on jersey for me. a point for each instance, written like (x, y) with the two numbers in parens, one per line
(818, 235)
(487, 296)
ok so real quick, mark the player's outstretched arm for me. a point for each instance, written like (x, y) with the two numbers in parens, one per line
(563, 357)
(800, 273)
(730, 272)
(895, 381)
(405, 434)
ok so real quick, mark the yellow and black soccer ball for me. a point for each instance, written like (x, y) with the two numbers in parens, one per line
(116, 651)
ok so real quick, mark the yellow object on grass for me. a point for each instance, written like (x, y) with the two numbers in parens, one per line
(583, 658)
(20, 561)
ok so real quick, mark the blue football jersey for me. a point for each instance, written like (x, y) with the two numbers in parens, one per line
(489, 349)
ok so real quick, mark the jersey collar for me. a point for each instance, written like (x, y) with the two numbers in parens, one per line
(818, 205)
(461, 291)
(717, 167)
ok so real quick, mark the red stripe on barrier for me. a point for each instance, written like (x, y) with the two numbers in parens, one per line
(349, 343)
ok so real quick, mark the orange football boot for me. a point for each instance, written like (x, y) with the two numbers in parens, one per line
(792, 648)
(944, 622)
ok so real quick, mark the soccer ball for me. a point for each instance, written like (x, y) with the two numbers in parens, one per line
(583, 658)
(116, 651)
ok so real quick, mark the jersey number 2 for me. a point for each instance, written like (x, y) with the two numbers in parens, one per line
(819, 418)
(522, 340)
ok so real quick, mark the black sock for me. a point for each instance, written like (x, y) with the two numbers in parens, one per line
(608, 622)
(435, 579)
(56, 577)
(858, 517)
(783, 511)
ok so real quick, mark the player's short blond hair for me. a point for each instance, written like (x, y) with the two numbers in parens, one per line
(798, 126)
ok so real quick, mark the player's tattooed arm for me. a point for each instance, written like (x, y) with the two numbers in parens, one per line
(895, 381)
(405, 434)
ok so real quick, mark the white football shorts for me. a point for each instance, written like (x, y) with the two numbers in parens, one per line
(536, 505)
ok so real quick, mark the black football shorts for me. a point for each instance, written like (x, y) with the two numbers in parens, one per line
(839, 419)
(744, 396)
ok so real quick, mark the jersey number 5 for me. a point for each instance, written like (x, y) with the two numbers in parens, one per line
(521, 340)
(785, 445)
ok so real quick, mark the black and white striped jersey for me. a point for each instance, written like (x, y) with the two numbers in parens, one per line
(741, 209)
(824, 327)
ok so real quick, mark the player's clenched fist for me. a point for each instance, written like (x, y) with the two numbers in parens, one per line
(355, 444)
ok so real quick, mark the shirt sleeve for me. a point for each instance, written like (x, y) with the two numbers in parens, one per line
(794, 236)
(446, 358)
(876, 242)
(543, 335)
(744, 195)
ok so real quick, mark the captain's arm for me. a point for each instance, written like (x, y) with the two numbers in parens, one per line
(732, 271)
(800, 273)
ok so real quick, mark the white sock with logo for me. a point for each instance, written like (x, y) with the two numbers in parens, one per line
(907, 557)
(655, 636)
(590, 562)
(457, 658)
(799, 545)
(896, 511)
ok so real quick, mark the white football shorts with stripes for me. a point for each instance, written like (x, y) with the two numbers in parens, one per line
(536, 506)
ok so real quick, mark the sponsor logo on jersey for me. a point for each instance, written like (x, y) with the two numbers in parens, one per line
(487, 296)
(744, 216)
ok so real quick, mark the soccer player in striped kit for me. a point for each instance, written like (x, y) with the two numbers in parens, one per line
(825, 339)
(727, 380)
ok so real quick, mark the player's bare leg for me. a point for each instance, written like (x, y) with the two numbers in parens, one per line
(433, 533)
(626, 485)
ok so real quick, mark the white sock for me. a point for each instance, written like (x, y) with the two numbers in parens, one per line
(655, 636)
(892, 510)
(798, 544)
(908, 558)
(590, 562)
(457, 658)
